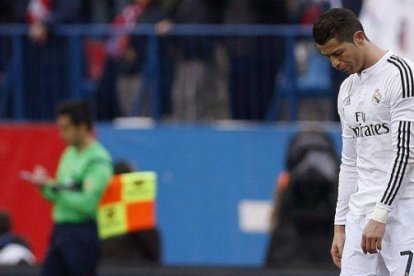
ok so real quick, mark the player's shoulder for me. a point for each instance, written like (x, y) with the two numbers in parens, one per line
(99, 151)
(346, 86)
(345, 91)
(69, 150)
(399, 77)
(405, 60)
(399, 66)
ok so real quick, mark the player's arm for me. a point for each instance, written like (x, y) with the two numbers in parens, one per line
(50, 191)
(346, 187)
(400, 95)
(401, 100)
(347, 174)
(85, 201)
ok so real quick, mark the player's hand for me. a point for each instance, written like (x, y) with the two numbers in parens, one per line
(38, 32)
(39, 176)
(372, 236)
(163, 27)
(338, 244)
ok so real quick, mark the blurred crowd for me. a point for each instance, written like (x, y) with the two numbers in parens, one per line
(104, 11)
(206, 78)
(231, 78)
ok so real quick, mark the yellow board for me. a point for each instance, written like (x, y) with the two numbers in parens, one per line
(139, 186)
(112, 220)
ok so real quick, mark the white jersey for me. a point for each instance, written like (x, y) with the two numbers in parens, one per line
(376, 108)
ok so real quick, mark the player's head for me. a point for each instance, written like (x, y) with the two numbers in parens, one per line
(74, 121)
(340, 36)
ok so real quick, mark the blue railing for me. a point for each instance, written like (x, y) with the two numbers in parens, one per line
(35, 77)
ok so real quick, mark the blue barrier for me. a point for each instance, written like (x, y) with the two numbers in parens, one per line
(204, 172)
(70, 72)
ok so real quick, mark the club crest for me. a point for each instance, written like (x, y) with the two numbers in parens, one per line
(376, 97)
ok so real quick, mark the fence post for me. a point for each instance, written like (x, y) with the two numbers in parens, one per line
(76, 59)
(291, 75)
(287, 87)
(18, 77)
(154, 71)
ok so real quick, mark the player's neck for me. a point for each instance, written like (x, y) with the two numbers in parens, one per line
(84, 143)
(372, 55)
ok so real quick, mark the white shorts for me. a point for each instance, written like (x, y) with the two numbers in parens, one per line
(396, 256)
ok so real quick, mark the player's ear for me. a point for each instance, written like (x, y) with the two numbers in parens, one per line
(359, 38)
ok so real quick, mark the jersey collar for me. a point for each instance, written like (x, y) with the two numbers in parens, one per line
(368, 71)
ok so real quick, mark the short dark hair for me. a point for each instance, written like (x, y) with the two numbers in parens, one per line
(339, 23)
(5, 222)
(79, 112)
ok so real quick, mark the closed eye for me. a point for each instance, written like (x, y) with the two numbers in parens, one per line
(337, 53)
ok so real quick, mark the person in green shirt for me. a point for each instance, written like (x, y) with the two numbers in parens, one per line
(84, 170)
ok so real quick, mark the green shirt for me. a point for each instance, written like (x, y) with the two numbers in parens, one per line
(91, 170)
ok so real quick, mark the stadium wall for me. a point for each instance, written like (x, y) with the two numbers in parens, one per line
(215, 184)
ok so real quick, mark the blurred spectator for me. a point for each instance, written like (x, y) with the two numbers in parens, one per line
(7, 12)
(125, 61)
(103, 11)
(137, 247)
(47, 57)
(311, 67)
(10, 12)
(304, 204)
(44, 15)
(353, 5)
(83, 172)
(196, 82)
(8, 15)
(394, 32)
(254, 61)
(14, 250)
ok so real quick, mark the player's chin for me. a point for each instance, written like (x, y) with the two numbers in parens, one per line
(349, 71)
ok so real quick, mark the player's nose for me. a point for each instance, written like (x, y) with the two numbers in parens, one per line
(334, 62)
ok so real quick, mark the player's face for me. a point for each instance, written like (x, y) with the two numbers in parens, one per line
(344, 56)
(69, 132)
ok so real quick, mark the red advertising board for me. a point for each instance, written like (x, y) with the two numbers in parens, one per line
(22, 146)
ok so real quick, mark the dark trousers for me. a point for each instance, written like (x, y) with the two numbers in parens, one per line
(74, 250)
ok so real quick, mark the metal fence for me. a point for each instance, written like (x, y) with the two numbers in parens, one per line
(191, 73)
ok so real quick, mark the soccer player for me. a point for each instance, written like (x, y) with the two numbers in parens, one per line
(83, 173)
(374, 220)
